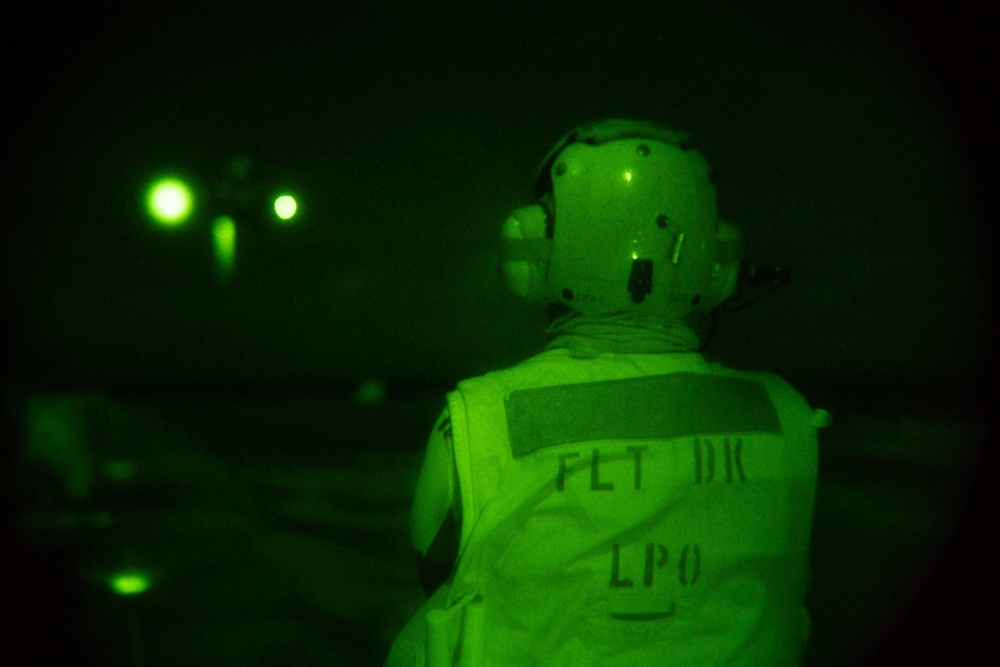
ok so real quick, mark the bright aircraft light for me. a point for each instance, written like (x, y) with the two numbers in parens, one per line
(169, 201)
(285, 206)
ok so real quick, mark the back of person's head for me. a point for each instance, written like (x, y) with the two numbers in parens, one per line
(624, 220)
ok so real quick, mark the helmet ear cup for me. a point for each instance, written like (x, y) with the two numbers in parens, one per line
(525, 252)
(728, 256)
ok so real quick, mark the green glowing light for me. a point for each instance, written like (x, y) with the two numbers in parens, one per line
(224, 244)
(371, 392)
(169, 201)
(129, 583)
(119, 470)
(285, 206)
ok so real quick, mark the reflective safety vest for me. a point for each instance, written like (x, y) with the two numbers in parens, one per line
(641, 509)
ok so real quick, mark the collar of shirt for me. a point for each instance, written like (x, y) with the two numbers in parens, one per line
(586, 336)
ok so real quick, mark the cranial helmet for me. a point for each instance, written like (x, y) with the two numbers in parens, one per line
(624, 220)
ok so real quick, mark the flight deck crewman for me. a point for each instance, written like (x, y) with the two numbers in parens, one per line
(617, 500)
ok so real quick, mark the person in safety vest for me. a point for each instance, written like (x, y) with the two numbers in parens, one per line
(617, 499)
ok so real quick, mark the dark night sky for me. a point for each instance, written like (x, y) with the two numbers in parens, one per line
(838, 135)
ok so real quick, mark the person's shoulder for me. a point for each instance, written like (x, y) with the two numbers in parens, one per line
(532, 363)
(780, 390)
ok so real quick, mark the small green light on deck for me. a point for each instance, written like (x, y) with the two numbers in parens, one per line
(129, 583)
(169, 201)
(285, 207)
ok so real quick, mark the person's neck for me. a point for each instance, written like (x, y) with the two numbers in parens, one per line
(623, 333)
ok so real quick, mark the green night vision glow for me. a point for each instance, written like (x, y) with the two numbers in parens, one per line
(285, 207)
(371, 392)
(224, 244)
(119, 470)
(129, 583)
(169, 201)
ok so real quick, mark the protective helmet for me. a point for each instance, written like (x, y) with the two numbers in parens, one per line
(624, 220)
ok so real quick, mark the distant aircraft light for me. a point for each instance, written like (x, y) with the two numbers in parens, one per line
(169, 201)
(285, 207)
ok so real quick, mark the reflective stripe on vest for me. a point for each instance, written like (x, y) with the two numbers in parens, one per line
(657, 407)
